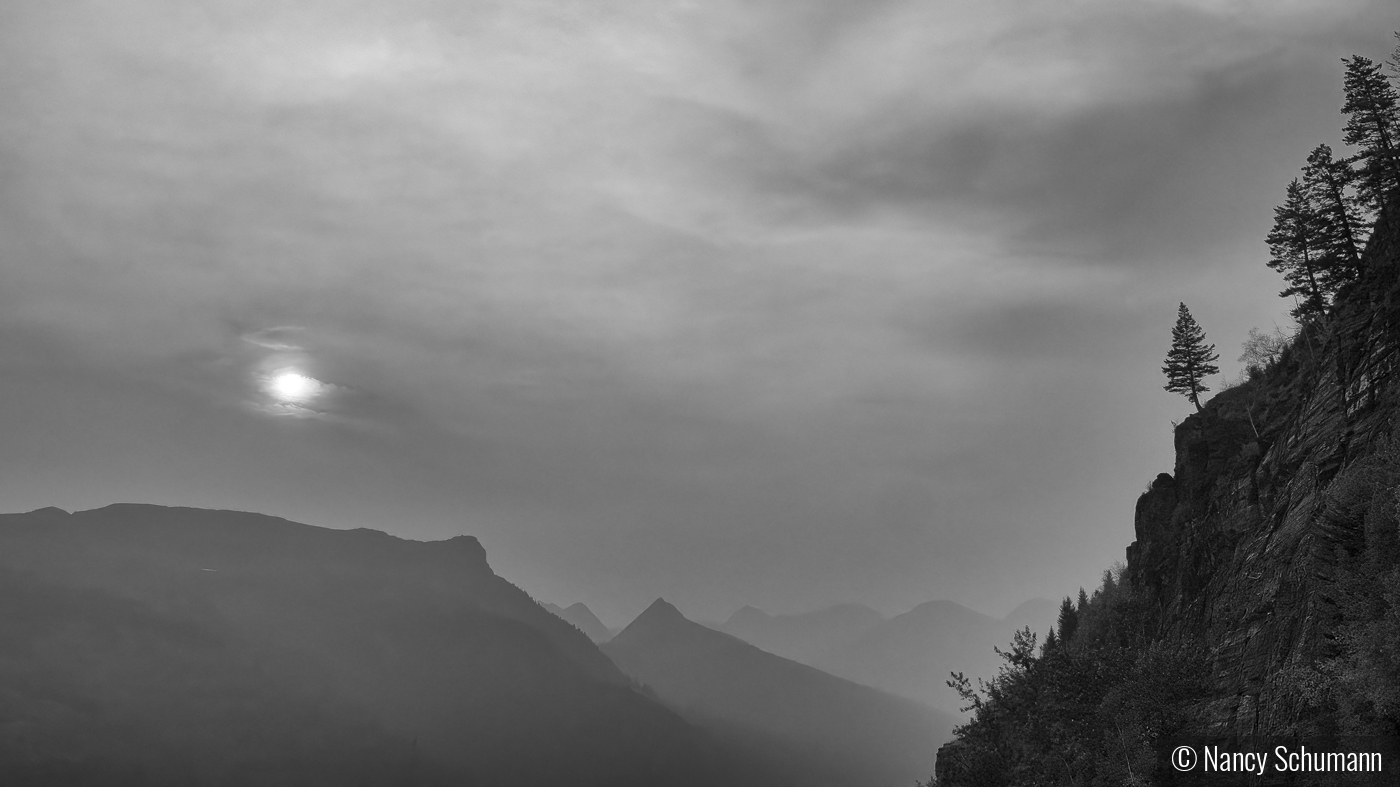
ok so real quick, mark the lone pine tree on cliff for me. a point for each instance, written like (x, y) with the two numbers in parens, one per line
(1190, 359)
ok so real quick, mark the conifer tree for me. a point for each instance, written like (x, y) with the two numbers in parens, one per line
(1108, 585)
(1189, 361)
(1069, 620)
(1373, 126)
(1298, 252)
(1328, 187)
(1395, 58)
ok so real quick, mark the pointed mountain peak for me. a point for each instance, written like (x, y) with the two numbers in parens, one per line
(657, 618)
(583, 618)
(747, 613)
(660, 609)
(48, 511)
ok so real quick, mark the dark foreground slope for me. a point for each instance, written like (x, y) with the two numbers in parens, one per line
(816, 728)
(166, 646)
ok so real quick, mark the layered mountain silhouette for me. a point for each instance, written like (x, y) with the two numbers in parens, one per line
(583, 619)
(910, 654)
(808, 637)
(174, 646)
(826, 730)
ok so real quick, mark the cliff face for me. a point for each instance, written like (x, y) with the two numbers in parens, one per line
(1284, 489)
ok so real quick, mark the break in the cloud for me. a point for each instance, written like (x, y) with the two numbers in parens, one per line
(281, 338)
(779, 303)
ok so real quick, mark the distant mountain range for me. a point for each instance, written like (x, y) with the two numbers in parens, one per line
(808, 637)
(827, 730)
(163, 646)
(910, 654)
(583, 619)
(174, 646)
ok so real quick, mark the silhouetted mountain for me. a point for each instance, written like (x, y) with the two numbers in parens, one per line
(910, 654)
(806, 637)
(1038, 613)
(814, 728)
(583, 619)
(174, 646)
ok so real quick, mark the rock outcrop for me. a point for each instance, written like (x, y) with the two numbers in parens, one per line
(1283, 487)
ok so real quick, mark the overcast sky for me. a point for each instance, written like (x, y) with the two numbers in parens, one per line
(780, 303)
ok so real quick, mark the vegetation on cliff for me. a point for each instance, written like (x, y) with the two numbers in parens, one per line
(1190, 360)
(1262, 595)
(1087, 709)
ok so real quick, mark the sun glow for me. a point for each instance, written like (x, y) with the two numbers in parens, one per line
(292, 386)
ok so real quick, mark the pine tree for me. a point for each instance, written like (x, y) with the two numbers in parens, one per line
(1373, 126)
(1189, 361)
(1328, 186)
(1297, 251)
(1069, 620)
(1395, 58)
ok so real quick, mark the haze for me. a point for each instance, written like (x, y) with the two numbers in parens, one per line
(783, 304)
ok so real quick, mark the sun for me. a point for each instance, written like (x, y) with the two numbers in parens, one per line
(292, 386)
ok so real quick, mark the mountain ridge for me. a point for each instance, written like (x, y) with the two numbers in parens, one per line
(826, 729)
(583, 619)
(137, 636)
(910, 654)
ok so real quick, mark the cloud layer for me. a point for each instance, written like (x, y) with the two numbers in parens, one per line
(781, 304)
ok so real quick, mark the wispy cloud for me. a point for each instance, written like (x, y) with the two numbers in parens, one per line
(757, 282)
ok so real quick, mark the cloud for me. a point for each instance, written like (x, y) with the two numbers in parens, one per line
(279, 338)
(759, 282)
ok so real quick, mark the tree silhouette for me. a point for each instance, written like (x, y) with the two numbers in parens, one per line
(1298, 252)
(1190, 359)
(1373, 125)
(1395, 58)
(1262, 350)
(1328, 187)
(1069, 620)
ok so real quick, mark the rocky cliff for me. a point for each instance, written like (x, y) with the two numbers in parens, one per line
(1280, 509)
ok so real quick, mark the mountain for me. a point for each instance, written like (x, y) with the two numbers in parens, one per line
(910, 654)
(805, 637)
(1039, 614)
(178, 646)
(583, 619)
(815, 728)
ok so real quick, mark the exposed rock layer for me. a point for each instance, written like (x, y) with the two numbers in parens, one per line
(1276, 493)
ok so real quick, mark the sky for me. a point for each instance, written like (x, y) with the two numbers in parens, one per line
(780, 303)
